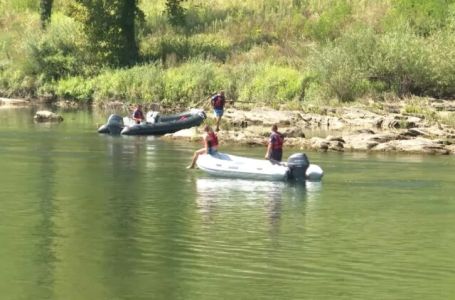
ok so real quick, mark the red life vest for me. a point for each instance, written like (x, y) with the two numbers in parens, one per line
(138, 114)
(277, 140)
(213, 140)
(218, 102)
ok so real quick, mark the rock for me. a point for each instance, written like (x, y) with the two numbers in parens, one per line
(367, 131)
(335, 139)
(47, 116)
(294, 132)
(443, 105)
(356, 126)
(413, 132)
(451, 148)
(419, 145)
(366, 141)
(319, 144)
(391, 122)
(13, 102)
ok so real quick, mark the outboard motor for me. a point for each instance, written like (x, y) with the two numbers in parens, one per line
(115, 124)
(298, 164)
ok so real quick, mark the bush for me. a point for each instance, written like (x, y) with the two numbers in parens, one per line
(194, 81)
(330, 24)
(15, 83)
(56, 53)
(401, 62)
(441, 60)
(75, 88)
(343, 67)
(269, 83)
(137, 84)
(423, 16)
(183, 48)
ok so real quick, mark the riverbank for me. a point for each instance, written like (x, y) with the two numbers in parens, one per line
(376, 127)
(386, 129)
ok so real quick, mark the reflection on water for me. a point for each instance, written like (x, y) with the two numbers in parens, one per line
(90, 216)
(215, 195)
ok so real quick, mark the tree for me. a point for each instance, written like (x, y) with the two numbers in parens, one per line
(45, 12)
(175, 12)
(110, 29)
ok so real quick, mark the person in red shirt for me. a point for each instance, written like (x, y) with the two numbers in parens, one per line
(218, 102)
(138, 115)
(210, 145)
(275, 145)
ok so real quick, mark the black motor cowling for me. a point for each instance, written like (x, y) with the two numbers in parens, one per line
(298, 163)
(115, 124)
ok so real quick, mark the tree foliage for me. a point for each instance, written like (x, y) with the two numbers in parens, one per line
(175, 12)
(110, 29)
(423, 16)
(45, 12)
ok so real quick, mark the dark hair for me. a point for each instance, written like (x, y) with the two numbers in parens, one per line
(207, 128)
(274, 127)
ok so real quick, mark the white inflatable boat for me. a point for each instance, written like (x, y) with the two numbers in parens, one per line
(226, 165)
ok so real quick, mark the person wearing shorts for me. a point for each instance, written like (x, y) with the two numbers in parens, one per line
(218, 102)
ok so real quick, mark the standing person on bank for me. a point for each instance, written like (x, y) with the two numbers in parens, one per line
(138, 115)
(275, 146)
(218, 102)
(210, 145)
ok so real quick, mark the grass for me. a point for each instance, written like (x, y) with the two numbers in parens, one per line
(279, 53)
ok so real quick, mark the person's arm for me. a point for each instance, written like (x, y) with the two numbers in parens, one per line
(269, 149)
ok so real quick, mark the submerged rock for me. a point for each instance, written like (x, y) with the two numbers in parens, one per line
(47, 116)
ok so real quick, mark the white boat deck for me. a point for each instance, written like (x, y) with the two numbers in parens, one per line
(227, 165)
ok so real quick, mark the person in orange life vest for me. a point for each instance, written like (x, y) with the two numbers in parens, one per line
(275, 145)
(138, 115)
(218, 102)
(210, 145)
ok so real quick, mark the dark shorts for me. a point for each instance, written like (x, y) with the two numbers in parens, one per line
(218, 112)
(212, 151)
(276, 154)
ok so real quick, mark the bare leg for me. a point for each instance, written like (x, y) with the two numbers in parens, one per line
(195, 156)
(218, 120)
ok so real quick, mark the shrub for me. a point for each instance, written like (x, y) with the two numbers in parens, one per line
(75, 88)
(137, 84)
(182, 48)
(330, 23)
(57, 52)
(269, 83)
(422, 16)
(343, 67)
(402, 63)
(15, 83)
(441, 60)
(194, 81)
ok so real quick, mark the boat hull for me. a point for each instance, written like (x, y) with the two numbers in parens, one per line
(166, 124)
(231, 166)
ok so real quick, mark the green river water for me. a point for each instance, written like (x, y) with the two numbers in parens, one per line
(89, 216)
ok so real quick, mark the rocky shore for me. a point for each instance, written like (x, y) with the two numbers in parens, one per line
(385, 129)
(339, 129)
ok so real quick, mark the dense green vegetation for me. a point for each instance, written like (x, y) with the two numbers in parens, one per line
(270, 51)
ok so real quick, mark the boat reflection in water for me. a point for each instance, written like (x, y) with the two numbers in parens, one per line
(244, 198)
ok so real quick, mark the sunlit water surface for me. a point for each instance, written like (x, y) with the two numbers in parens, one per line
(89, 216)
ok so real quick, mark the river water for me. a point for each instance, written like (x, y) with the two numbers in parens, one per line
(89, 216)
